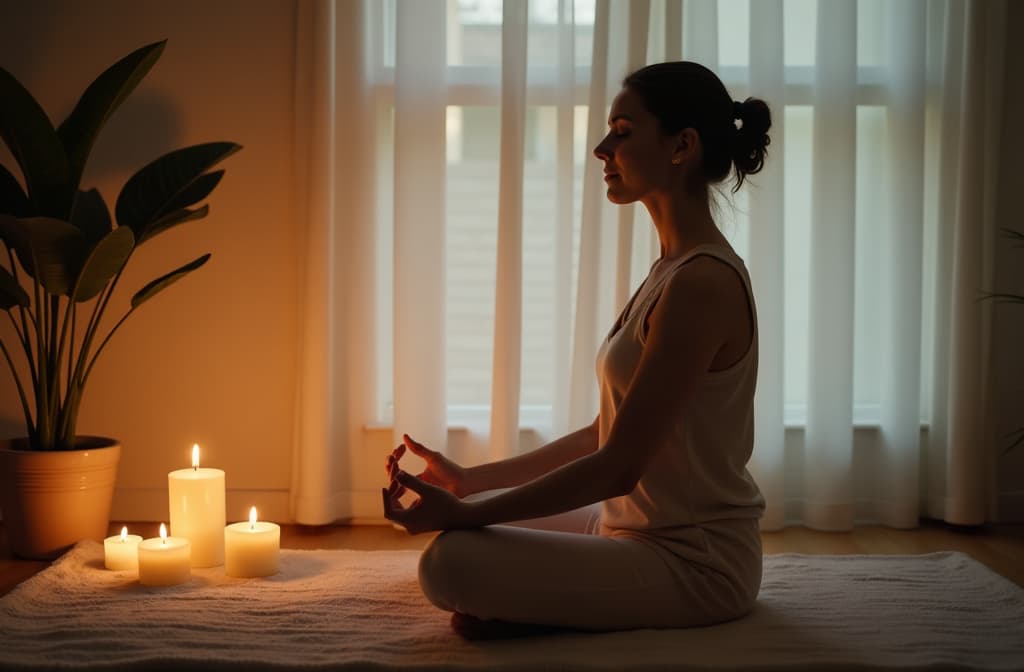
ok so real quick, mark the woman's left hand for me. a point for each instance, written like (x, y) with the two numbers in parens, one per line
(436, 508)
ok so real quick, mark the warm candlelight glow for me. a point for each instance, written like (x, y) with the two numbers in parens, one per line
(252, 549)
(120, 551)
(195, 499)
(164, 561)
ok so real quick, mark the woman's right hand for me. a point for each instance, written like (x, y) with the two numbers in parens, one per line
(440, 471)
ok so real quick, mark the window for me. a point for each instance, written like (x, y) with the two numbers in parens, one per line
(474, 75)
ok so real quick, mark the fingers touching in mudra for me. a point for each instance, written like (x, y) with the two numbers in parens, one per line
(438, 487)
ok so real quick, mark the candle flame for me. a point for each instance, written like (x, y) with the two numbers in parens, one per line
(195, 455)
(163, 533)
(124, 534)
(252, 518)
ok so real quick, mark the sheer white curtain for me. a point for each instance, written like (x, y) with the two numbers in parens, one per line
(464, 263)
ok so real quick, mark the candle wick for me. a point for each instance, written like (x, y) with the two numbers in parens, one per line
(252, 527)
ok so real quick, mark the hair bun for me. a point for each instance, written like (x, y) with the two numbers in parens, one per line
(751, 138)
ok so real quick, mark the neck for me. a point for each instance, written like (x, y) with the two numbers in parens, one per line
(683, 221)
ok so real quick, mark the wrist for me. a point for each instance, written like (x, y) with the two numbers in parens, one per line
(470, 483)
(467, 515)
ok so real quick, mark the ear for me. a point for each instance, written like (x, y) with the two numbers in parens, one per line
(687, 145)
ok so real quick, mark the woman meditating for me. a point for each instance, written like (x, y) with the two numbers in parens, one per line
(677, 543)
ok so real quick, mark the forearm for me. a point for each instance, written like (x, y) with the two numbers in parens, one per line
(525, 468)
(588, 479)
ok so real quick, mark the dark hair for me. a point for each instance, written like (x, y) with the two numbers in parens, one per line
(684, 94)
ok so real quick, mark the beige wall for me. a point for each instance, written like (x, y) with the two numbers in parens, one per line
(212, 360)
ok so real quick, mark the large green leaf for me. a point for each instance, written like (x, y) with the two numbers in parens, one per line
(91, 216)
(195, 192)
(56, 249)
(165, 281)
(172, 219)
(12, 199)
(13, 235)
(36, 147)
(1017, 236)
(11, 293)
(79, 131)
(103, 263)
(159, 186)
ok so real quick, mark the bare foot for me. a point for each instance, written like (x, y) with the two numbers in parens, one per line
(473, 628)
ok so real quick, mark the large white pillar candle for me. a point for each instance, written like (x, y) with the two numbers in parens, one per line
(164, 561)
(252, 549)
(121, 552)
(196, 499)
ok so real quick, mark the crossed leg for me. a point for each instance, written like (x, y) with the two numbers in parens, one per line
(585, 520)
(507, 581)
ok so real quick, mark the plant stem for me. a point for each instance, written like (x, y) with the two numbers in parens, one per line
(44, 432)
(94, 321)
(27, 347)
(76, 380)
(67, 406)
(21, 390)
(71, 350)
(62, 405)
(103, 345)
(55, 360)
(23, 330)
(21, 309)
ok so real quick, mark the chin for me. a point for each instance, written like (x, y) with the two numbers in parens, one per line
(619, 198)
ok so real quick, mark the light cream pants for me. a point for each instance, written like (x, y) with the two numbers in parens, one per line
(568, 571)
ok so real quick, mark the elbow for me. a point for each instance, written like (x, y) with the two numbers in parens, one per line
(621, 471)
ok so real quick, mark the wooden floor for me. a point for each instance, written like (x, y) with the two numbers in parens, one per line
(1000, 547)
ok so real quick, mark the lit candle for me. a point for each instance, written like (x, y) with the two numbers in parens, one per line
(252, 549)
(165, 561)
(121, 552)
(196, 499)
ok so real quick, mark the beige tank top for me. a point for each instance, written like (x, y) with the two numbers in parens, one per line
(699, 475)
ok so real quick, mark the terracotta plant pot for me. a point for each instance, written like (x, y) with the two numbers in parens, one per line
(53, 499)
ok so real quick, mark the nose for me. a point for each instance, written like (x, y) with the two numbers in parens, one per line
(602, 152)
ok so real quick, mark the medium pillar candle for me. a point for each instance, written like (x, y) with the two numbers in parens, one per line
(196, 499)
(252, 549)
(164, 561)
(121, 552)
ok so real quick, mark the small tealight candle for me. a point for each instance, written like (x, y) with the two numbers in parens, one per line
(121, 552)
(252, 549)
(166, 561)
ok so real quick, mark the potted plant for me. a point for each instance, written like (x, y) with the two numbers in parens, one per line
(60, 261)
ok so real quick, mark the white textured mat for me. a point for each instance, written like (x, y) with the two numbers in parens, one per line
(363, 610)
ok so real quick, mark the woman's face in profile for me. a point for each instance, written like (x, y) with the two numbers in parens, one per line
(637, 156)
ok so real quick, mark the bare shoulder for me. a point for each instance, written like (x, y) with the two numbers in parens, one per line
(708, 283)
(709, 296)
